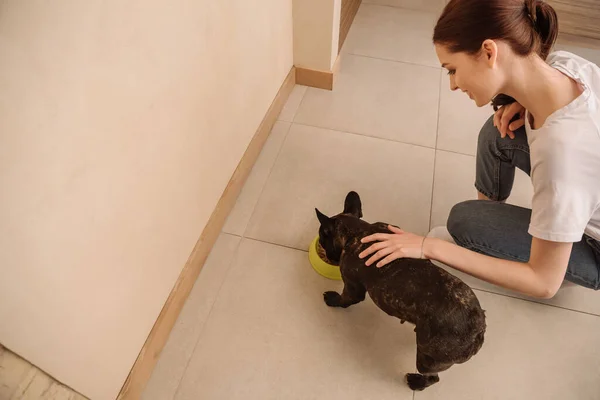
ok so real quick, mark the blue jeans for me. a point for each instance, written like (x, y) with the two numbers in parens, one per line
(500, 230)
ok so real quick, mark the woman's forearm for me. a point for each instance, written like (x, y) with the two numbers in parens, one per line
(517, 276)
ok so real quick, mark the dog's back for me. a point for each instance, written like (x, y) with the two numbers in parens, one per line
(447, 314)
(450, 323)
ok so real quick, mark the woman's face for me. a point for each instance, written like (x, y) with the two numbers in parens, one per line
(477, 76)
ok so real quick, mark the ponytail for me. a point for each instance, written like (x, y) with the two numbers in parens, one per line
(545, 24)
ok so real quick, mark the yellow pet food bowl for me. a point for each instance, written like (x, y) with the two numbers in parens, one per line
(323, 268)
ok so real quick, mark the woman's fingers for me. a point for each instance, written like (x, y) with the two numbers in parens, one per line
(372, 249)
(513, 126)
(395, 229)
(516, 125)
(380, 254)
(377, 237)
(508, 114)
(508, 128)
(382, 248)
(393, 256)
(497, 117)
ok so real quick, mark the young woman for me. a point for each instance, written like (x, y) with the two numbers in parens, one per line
(547, 123)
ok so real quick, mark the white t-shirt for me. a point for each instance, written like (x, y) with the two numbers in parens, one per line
(565, 160)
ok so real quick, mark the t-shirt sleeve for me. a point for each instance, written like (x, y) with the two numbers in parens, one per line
(561, 209)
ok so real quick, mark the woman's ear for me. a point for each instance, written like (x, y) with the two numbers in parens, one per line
(489, 49)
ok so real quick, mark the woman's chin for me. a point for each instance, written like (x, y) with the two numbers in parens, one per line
(479, 103)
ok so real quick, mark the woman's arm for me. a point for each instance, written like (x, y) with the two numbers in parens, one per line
(540, 277)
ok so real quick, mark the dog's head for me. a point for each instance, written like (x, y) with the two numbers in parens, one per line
(330, 232)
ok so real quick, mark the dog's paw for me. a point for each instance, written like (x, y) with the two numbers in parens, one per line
(416, 381)
(420, 382)
(332, 299)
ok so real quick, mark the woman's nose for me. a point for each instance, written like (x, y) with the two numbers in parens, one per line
(453, 85)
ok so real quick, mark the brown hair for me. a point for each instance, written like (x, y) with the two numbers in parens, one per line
(528, 26)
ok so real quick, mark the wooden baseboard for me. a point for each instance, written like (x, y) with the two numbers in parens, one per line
(314, 78)
(318, 79)
(146, 360)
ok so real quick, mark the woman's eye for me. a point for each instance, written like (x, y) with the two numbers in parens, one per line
(451, 71)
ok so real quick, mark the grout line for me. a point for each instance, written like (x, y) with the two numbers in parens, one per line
(206, 320)
(376, 137)
(384, 139)
(300, 104)
(437, 130)
(394, 61)
(437, 133)
(455, 152)
(536, 302)
(230, 234)
(276, 244)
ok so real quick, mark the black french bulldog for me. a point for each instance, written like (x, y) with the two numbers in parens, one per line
(450, 323)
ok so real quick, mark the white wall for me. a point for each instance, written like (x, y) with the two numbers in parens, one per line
(121, 123)
(316, 33)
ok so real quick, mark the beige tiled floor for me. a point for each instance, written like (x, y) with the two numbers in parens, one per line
(255, 326)
(377, 98)
(393, 33)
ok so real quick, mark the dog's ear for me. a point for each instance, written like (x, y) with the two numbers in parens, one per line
(352, 205)
(323, 219)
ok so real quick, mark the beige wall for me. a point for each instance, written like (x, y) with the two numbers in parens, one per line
(316, 33)
(121, 123)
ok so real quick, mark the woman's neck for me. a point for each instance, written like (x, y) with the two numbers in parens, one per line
(539, 88)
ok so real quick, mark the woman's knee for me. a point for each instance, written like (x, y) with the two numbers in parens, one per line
(463, 219)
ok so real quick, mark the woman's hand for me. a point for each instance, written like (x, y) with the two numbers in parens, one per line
(503, 117)
(398, 244)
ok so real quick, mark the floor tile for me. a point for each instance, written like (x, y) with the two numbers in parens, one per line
(291, 106)
(425, 5)
(318, 167)
(460, 120)
(393, 34)
(531, 352)
(270, 336)
(377, 98)
(175, 356)
(242, 211)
